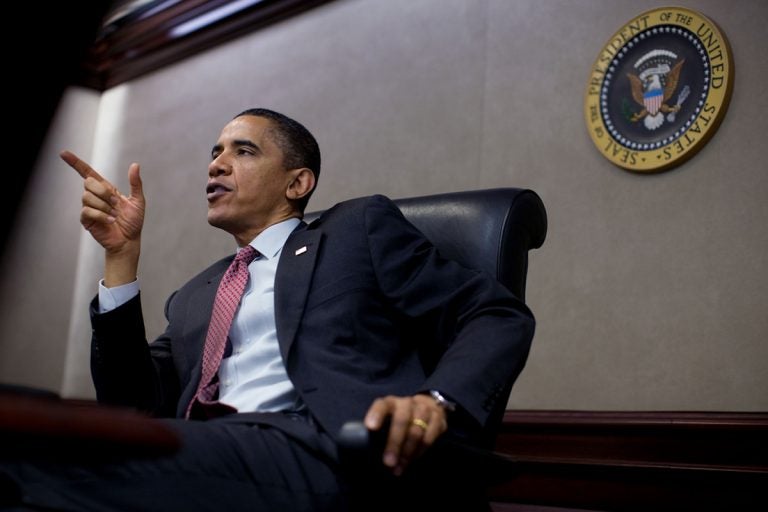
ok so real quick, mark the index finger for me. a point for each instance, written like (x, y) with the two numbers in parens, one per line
(82, 168)
(379, 412)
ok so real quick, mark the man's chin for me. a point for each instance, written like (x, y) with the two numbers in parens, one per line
(215, 220)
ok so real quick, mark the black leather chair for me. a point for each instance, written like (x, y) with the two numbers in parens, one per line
(491, 230)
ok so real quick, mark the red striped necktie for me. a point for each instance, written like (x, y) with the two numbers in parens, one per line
(231, 287)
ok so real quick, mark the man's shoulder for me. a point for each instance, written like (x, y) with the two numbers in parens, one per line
(351, 207)
(364, 203)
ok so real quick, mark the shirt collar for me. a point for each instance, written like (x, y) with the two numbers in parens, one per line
(270, 241)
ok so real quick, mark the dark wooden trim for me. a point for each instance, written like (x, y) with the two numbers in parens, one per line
(35, 424)
(634, 460)
(140, 45)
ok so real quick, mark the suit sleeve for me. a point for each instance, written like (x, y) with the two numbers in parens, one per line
(481, 331)
(126, 370)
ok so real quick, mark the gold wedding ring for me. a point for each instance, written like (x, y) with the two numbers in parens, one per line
(420, 423)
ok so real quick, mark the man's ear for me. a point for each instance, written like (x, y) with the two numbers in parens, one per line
(302, 184)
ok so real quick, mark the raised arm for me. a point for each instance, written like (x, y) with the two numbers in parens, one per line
(113, 219)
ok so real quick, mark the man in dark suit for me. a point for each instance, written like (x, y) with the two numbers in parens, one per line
(355, 315)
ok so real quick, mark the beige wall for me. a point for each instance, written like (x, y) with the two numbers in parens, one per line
(650, 291)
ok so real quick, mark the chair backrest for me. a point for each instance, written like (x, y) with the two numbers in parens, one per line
(490, 230)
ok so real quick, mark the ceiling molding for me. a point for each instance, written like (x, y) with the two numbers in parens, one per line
(160, 33)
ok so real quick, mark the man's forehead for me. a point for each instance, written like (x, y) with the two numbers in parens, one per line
(247, 126)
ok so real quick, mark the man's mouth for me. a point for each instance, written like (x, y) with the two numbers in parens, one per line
(215, 190)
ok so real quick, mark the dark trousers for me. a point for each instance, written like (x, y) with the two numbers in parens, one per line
(227, 464)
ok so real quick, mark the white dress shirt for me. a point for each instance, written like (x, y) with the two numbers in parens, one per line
(252, 375)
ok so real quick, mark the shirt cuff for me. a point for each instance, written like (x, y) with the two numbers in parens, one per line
(113, 298)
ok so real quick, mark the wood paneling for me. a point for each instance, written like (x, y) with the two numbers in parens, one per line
(139, 44)
(634, 460)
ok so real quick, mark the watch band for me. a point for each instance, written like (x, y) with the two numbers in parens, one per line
(442, 401)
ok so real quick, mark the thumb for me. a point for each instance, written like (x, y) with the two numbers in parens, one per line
(134, 179)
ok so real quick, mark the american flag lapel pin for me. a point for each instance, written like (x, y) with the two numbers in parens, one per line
(300, 250)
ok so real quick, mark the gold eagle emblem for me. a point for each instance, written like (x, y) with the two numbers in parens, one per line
(649, 93)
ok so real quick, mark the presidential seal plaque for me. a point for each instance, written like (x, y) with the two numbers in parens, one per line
(659, 89)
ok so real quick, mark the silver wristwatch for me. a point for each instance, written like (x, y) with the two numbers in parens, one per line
(442, 401)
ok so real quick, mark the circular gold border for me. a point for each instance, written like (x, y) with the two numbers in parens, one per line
(706, 123)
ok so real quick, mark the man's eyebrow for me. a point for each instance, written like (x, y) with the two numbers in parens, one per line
(218, 148)
(246, 142)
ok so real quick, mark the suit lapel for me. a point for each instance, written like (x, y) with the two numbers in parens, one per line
(294, 276)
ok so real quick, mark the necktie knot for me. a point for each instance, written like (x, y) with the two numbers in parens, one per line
(246, 255)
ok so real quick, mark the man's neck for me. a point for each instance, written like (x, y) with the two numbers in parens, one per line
(243, 239)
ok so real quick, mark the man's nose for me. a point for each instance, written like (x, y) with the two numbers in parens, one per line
(218, 167)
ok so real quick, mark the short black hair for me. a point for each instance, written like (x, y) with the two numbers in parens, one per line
(298, 145)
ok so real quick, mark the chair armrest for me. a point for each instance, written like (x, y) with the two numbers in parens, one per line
(360, 447)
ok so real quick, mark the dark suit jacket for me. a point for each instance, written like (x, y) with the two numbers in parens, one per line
(367, 310)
